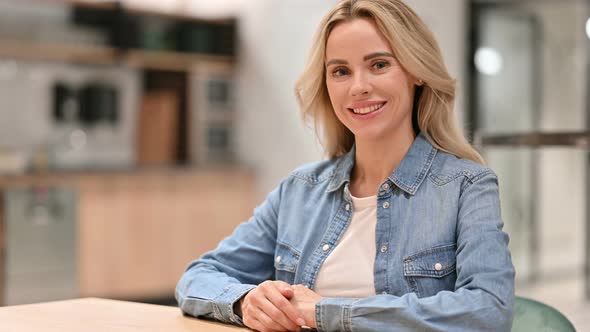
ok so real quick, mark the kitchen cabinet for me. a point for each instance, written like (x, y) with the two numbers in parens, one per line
(137, 232)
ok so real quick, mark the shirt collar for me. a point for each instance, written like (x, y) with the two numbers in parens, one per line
(408, 175)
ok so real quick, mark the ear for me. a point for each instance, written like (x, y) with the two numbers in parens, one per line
(419, 82)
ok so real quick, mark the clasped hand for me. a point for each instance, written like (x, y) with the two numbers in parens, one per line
(278, 306)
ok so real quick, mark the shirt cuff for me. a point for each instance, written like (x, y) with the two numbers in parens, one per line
(333, 314)
(232, 293)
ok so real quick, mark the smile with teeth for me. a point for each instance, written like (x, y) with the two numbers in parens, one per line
(366, 110)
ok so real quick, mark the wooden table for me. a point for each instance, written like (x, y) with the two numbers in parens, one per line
(93, 314)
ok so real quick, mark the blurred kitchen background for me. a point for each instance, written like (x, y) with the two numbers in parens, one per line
(136, 134)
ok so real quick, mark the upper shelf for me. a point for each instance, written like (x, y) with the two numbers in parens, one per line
(129, 8)
(103, 55)
(54, 52)
(162, 60)
(131, 56)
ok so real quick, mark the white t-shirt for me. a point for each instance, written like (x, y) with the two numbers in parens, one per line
(348, 270)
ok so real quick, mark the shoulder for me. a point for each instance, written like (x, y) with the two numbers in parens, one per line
(447, 167)
(316, 172)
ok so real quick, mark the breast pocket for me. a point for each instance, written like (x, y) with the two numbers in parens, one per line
(286, 263)
(432, 270)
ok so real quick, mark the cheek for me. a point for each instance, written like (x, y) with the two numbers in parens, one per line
(396, 89)
(340, 92)
(391, 83)
(336, 103)
(334, 94)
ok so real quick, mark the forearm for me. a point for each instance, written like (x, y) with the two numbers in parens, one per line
(463, 310)
(205, 292)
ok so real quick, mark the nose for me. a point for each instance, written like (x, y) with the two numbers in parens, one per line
(360, 85)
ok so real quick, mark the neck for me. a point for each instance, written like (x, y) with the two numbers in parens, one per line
(376, 160)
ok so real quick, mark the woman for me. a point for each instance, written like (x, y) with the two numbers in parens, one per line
(399, 229)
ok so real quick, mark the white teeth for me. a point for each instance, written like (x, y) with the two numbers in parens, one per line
(369, 109)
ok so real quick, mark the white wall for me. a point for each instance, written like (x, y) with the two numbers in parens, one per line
(275, 37)
(448, 19)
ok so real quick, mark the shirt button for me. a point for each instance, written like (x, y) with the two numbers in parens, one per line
(386, 205)
(386, 186)
(384, 248)
(278, 259)
(438, 266)
(347, 207)
(326, 247)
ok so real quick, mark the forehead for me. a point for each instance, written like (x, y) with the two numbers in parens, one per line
(356, 36)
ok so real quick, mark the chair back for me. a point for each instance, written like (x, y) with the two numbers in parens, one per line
(531, 315)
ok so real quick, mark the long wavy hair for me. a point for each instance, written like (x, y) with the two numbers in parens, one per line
(418, 53)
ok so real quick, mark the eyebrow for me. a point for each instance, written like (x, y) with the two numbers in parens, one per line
(365, 58)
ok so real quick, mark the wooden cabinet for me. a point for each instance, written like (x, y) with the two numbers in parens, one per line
(138, 232)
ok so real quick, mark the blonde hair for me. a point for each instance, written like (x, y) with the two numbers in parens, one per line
(418, 53)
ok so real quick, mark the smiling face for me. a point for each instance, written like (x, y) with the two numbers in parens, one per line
(371, 93)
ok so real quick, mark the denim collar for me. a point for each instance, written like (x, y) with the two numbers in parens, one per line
(408, 175)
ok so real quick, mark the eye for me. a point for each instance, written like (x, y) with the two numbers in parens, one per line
(380, 65)
(339, 72)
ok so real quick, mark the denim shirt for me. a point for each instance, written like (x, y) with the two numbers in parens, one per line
(442, 260)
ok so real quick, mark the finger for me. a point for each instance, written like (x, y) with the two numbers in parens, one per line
(288, 313)
(257, 325)
(251, 320)
(253, 316)
(287, 292)
(284, 288)
(248, 319)
(281, 284)
(286, 306)
(267, 322)
(273, 303)
(278, 316)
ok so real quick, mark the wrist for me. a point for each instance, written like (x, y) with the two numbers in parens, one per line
(238, 306)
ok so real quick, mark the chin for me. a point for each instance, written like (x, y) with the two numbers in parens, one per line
(369, 135)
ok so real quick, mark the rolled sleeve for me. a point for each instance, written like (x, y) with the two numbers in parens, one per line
(333, 314)
(226, 301)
